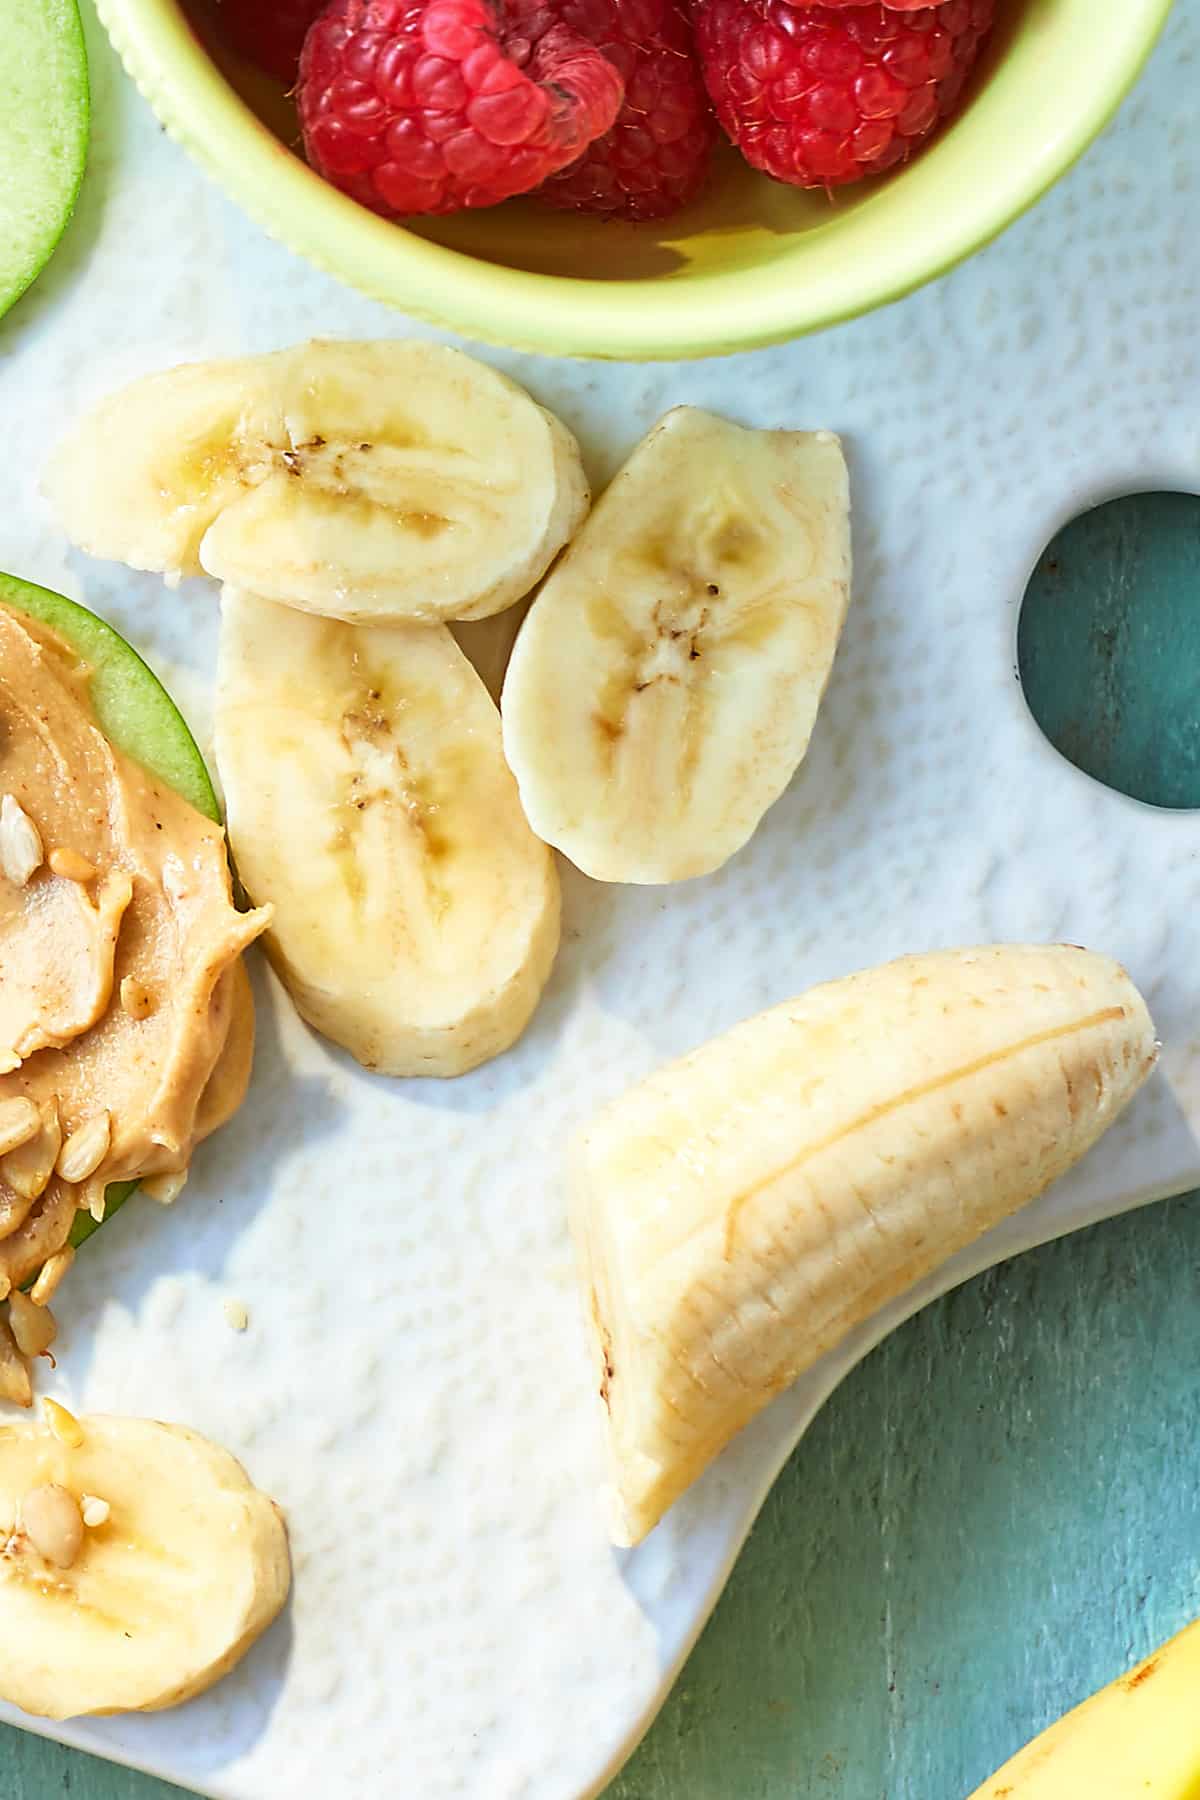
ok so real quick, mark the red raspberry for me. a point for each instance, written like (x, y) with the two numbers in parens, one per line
(655, 158)
(426, 106)
(268, 33)
(822, 95)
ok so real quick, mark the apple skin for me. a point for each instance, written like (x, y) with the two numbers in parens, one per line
(133, 708)
(45, 121)
(137, 714)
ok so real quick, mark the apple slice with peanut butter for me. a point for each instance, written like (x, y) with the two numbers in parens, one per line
(126, 1022)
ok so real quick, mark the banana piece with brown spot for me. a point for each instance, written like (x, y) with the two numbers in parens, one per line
(741, 1211)
(378, 480)
(138, 1563)
(416, 914)
(664, 687)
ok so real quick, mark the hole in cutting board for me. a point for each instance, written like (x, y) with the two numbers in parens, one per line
(1108, 646)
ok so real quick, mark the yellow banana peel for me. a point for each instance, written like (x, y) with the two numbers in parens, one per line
(1136, 1740)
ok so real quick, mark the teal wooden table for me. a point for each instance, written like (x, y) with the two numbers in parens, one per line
(1000, 1511)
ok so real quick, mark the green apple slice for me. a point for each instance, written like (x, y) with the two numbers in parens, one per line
(133, 708)
(137, 714)
(44, 118)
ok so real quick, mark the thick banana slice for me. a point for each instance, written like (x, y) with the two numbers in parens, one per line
(390, 480)
(664, 687)
(742, 1210)
(142, 477)
(416, 915)
(184, 1566)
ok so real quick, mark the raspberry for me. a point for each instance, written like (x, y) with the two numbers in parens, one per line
(268, 33)
(655, 158)
(822, 95)
(427, 106)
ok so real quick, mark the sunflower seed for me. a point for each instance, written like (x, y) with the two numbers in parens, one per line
(236, 1316)
(72, 867)
(46, 1285)
(86, 1148)
(14, 1371)
(32, 1326)
(64, 1425)
(53, 1524)
(21, 853)
(28, 1168)
(136, 998)
(19, 1121)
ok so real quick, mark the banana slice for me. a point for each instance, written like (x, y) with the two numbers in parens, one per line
(742, 1210)
(142, 477)
(664, 687)
(416, 915)
(184, 1565)
(365, 481)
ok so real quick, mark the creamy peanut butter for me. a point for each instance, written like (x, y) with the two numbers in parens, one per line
(121, 994)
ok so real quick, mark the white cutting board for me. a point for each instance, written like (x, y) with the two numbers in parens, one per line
(413, 1386)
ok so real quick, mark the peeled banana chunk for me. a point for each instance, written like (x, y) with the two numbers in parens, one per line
(416, 914)
(386, 480)
(138, 1563)
(664, 687)
(741, 1211)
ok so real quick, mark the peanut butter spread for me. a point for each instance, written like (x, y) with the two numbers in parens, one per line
(125, 1014)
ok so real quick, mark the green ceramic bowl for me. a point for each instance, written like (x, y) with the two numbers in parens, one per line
(753, 263)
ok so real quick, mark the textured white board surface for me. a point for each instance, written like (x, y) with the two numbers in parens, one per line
(413, 1385)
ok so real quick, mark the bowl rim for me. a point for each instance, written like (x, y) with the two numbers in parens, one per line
(712, 313)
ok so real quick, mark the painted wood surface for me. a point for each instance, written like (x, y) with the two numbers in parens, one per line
(1000, 1510)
